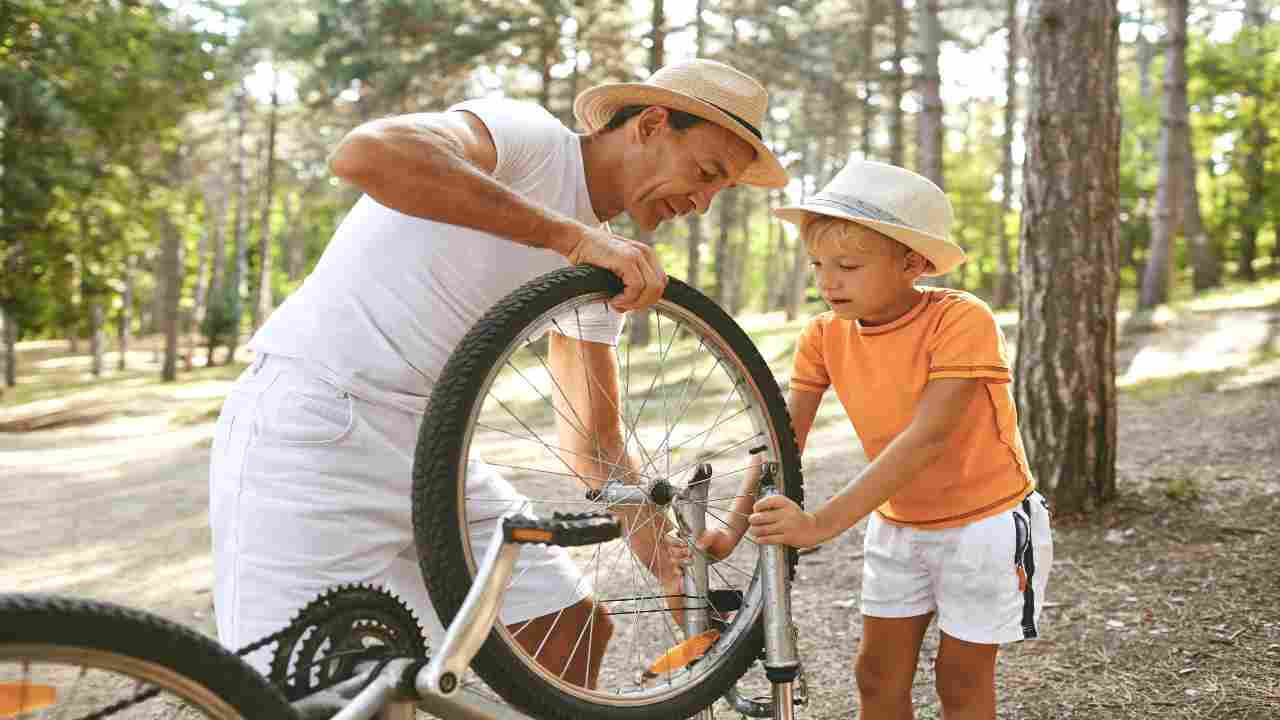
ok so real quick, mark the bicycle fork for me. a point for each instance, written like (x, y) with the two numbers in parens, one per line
(781, 656)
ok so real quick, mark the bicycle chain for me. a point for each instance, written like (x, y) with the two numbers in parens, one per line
(299, 623)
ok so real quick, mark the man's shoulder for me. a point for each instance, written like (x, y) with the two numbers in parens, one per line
(506, 108)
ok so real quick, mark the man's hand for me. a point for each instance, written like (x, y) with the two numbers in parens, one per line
(716, 543)
(778, 520)
(646, 530)
(636, 263)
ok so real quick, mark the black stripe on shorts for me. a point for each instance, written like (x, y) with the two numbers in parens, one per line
(1025, 557)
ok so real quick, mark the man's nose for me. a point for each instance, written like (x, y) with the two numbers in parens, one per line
(702, 198)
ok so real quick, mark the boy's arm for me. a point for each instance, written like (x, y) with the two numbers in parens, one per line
(718, 542)
(803, 406)
(942, 406)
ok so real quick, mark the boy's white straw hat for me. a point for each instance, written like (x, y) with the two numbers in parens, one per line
(894, 201)
(706, 88)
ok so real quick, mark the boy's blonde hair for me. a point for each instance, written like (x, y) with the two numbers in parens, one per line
(823, 231)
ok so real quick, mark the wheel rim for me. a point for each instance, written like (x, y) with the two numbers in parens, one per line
(687, 398)
(85, 681)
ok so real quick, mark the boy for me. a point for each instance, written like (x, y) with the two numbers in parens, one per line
(955, 526)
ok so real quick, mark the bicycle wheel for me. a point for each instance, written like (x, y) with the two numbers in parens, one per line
(695, 394)
(69, 658)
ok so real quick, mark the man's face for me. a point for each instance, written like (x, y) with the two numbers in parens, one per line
(676, 172)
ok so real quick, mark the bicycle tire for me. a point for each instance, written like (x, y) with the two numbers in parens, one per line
(37, 629)
(440, 527)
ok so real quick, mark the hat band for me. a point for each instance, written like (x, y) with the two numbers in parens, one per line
(750, 128)
(858, 207)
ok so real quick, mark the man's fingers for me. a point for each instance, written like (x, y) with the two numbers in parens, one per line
(633, 286)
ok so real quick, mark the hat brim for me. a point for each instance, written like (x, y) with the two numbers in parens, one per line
(944, 254)
(594, 107)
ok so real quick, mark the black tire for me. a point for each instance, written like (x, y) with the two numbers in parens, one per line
(447, 561)
(98, 635)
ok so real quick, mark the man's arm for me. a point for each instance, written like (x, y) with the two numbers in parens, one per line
(777, 520)
(591, 437)
(439, 166)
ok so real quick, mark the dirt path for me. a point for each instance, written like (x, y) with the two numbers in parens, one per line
(1166, 604)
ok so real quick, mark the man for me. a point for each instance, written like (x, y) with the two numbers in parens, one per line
(310, 474)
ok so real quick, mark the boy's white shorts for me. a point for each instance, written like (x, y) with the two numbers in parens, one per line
(971, 576)
(310, 488)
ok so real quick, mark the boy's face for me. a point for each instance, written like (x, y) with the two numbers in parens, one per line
(871, 281)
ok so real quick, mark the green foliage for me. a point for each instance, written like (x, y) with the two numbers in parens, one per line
(89, 94)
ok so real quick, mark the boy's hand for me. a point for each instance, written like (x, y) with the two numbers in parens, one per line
(778, 520)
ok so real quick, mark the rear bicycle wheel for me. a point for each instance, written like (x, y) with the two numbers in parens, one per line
(70, 658)
(694, 394)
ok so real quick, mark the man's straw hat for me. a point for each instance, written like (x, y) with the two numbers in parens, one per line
(891, 200)
(706, 88)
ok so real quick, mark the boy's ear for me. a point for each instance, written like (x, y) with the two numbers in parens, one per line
(915, 263)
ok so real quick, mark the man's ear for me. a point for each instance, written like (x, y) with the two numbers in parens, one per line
(650, 122)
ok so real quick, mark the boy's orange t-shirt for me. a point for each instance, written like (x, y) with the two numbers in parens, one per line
(879, 373)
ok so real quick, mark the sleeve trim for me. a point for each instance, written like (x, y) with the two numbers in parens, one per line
(998, 377)
(808, 386)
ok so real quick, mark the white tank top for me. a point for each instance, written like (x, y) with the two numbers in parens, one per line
(393, 294)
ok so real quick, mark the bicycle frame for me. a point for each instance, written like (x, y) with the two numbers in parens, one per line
(393, 691)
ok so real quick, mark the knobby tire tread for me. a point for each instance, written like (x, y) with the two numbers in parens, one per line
(53, 620)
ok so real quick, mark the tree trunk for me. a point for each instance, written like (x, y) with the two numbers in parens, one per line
(240, 265)
(125, 318)
(214, 306)
(293, 245)
(1005, 282)
(171, 271)
(1254, 174)
(797, 282)
(723, 253)
(10, 349)
(658, 36)
(195, 319)
(1158, 278)
(897, 87)
(262, 308)
(1065, 370)
(1206, 268)
(96, 345)
(871, 73)
(931, 131)
(640, 332)
(694, 220)
(742, 261)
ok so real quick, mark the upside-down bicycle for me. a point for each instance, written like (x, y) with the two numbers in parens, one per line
(705, 426)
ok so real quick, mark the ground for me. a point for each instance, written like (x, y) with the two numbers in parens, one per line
(1166, 603)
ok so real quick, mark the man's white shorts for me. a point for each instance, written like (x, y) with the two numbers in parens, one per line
(310, 488)
(986, 581)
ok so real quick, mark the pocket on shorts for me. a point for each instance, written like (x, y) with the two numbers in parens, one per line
(304, 411)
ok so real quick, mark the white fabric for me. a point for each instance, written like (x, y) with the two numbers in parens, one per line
(310, 489)
(393, 294)
(967, 575)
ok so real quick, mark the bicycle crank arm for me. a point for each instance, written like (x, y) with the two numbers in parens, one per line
(472, 625)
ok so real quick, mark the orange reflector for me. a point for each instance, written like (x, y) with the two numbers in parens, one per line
(683, 654)
(18, 698)
(531, 535)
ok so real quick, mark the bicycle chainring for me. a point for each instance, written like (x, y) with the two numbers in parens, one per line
(342, 627)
